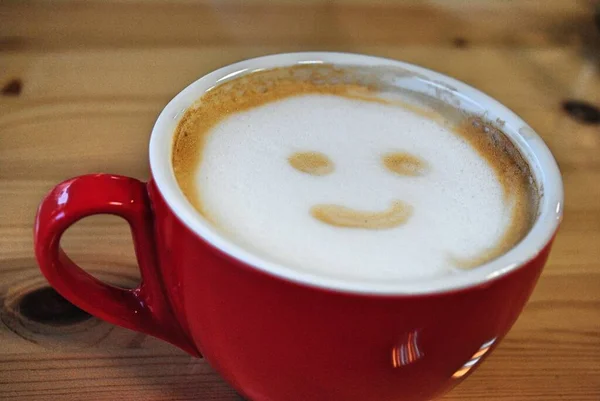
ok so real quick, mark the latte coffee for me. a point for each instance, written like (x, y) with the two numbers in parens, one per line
(339, 172)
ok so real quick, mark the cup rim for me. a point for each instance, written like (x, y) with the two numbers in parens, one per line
(530, 144)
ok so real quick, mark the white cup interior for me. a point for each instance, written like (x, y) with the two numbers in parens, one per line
(532, 147)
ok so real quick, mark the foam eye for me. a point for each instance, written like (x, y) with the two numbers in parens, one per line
(405, 164)
(313, 163)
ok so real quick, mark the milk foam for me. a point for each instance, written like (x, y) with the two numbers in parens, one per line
(251, 192)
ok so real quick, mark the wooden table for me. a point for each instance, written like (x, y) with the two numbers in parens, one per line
(81, 85)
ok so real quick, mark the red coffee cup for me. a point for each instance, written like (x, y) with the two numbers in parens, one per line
(275, 333)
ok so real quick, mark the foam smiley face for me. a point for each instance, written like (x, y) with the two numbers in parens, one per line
(401, 163)
(349, 188)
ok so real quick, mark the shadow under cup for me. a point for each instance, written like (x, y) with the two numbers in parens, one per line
(276, 333)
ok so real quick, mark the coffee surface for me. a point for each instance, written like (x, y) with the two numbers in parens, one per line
(332, 171)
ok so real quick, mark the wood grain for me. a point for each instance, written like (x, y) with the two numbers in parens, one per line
(94, 75)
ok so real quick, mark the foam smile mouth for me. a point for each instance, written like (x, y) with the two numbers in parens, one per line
(341, 216)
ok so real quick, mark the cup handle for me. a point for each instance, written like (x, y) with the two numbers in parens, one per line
(145, 308)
